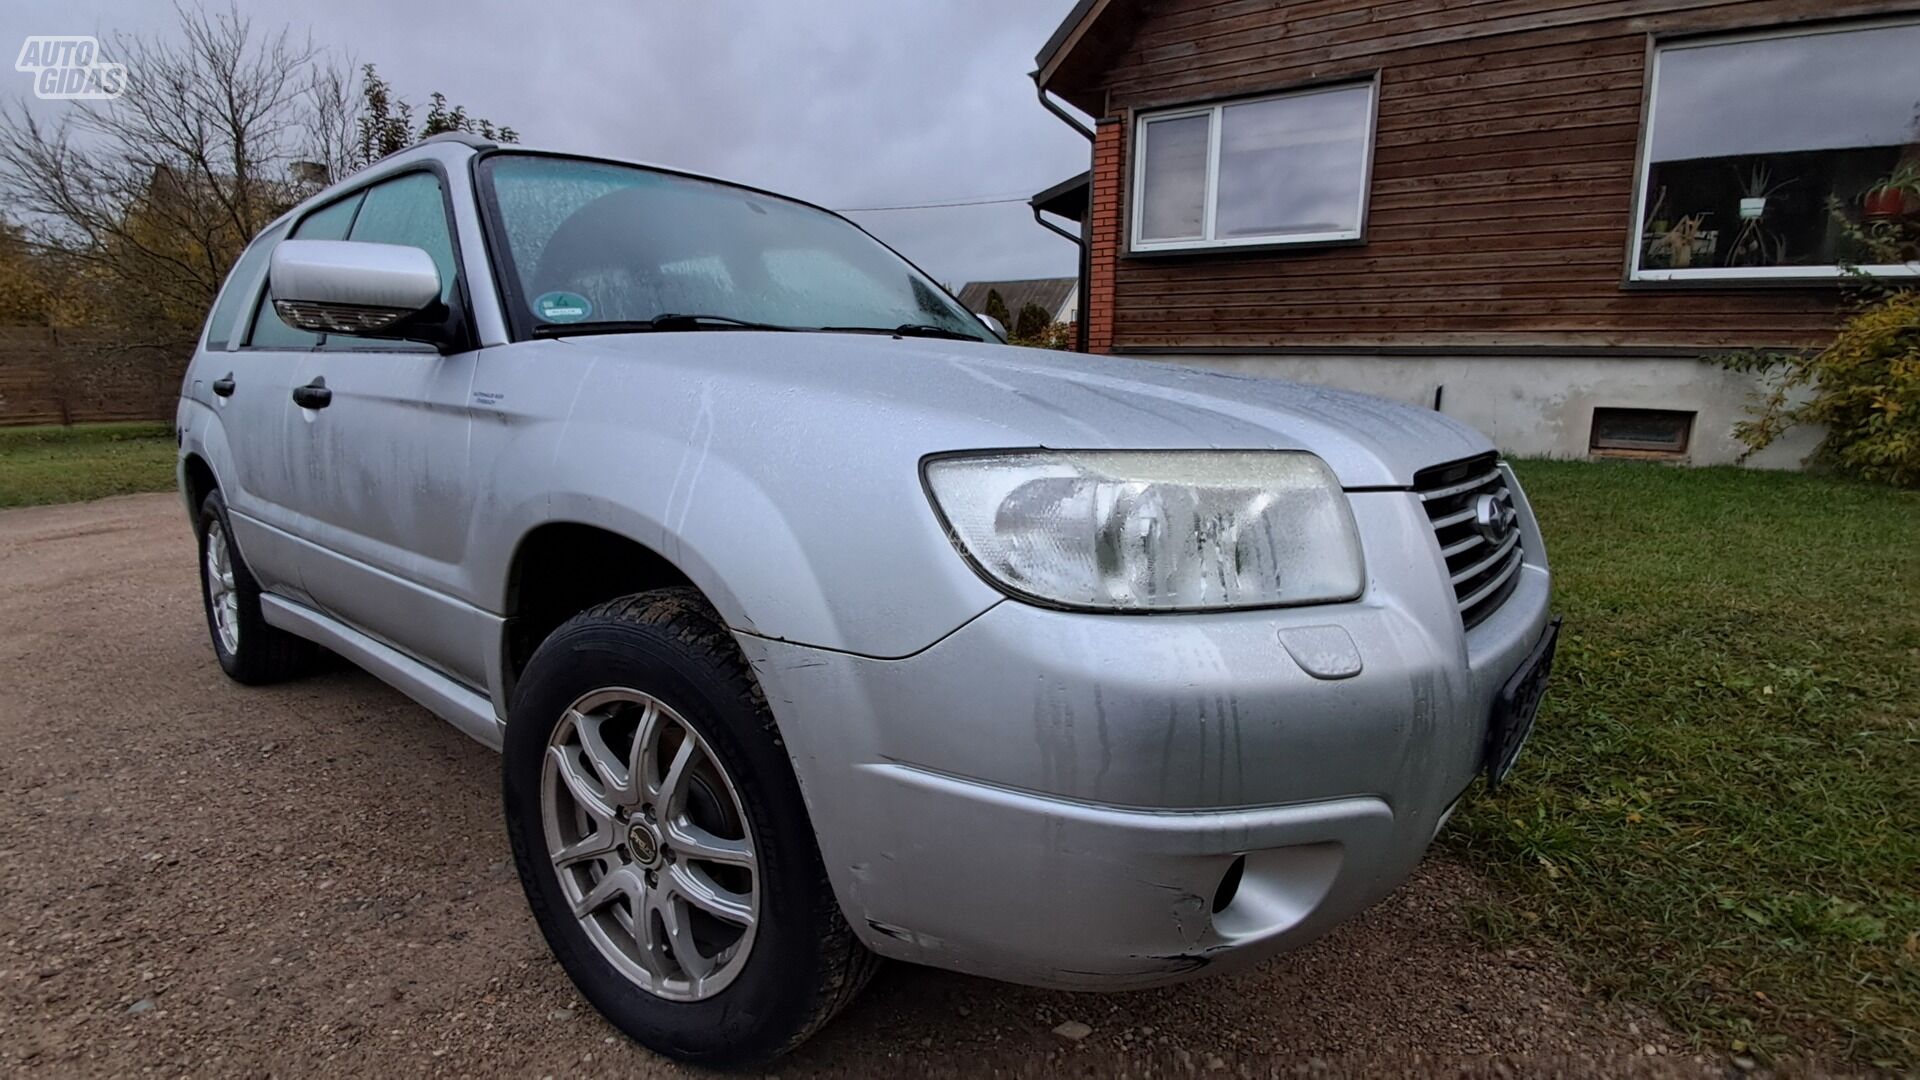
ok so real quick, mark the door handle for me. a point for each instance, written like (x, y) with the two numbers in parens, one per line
(314, 395)
(223, 387)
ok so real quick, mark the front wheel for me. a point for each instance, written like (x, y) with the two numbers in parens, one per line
(662, 841)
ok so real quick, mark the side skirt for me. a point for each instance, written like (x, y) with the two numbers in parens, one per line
(465, 709)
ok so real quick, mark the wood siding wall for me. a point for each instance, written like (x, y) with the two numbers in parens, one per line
(1503, 186)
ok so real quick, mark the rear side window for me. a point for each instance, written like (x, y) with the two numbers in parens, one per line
(408, 210)
(239, 288)
(330, 222)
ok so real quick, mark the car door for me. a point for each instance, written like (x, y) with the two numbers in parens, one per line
(247, 388)
(382, 470)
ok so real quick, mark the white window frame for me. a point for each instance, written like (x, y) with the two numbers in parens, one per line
(1213, 111)
(1644, 170)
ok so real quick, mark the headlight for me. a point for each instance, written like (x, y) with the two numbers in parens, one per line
(1153, 531)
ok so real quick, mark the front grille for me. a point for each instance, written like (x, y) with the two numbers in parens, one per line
(1483, 563)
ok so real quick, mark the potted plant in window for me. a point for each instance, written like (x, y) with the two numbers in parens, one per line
(1756, 187)
(1679, 245)
(1896, 196)
(1753, 243)
(1656, 221)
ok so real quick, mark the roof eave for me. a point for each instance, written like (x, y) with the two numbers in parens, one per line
(1067, 199)
(1071, 65)
(1067, 36)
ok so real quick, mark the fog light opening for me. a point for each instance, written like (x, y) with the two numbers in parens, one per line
(1229, 885)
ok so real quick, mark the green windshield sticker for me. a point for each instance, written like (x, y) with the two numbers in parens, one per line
(562, 307)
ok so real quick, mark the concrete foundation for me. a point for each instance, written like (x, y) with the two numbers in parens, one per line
(1543, 406)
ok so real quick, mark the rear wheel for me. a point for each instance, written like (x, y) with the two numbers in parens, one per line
(249, 650)
(662, 840)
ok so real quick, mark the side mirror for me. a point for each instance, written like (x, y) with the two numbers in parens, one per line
(999, 328)
(354, 287)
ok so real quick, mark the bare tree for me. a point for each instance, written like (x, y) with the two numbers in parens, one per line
(152, 195)
(333, 124)
(149, 198)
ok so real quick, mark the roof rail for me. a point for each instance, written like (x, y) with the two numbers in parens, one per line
(462, 137)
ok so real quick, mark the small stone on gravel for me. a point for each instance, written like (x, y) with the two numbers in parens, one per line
(1073, 1031)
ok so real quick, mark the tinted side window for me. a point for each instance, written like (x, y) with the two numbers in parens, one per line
(408, 210)
(239, 290)
(330, 222)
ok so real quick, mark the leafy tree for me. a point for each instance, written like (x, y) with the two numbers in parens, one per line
(1032, 322)
(26, 298)
(385, 122)
(997, 307)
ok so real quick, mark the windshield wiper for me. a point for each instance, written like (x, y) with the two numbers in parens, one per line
(671, 321)
(905, 330)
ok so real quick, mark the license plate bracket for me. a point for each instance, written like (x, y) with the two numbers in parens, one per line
(1517, 705)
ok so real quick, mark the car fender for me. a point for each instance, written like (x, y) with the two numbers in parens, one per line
(722, 522)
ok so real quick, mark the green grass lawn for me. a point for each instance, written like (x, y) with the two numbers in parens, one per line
(1719, 813)
(66, 464)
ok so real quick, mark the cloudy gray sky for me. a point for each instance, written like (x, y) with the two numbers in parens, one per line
(848, 103)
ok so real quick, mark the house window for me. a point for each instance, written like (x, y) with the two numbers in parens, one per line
(1761, 151)
(1286, 169)
(1640, 432)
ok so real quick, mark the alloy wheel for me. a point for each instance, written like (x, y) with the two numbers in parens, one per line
(650, 842)
(223, 598)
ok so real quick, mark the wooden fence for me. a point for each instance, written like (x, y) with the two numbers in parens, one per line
(52, 376)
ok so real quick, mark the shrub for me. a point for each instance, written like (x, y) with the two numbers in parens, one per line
(1057, 335)
(1865, 387)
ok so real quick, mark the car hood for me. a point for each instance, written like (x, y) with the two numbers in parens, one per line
(925, 396)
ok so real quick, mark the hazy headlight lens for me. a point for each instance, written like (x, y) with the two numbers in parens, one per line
(1154, 531)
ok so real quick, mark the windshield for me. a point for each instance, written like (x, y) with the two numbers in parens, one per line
(597, 243)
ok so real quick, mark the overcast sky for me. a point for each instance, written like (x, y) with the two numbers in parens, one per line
(848, 103)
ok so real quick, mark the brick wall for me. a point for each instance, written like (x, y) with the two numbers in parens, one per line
(1109, 162)
(80, 376)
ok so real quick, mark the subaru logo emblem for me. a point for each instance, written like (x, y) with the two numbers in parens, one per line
(1493, 518)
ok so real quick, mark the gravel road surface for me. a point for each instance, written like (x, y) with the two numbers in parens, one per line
(202, 879)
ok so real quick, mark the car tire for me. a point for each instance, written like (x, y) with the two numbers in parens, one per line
(662, 666)
(249, 650)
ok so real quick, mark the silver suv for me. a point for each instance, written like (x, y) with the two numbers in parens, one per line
(816, 624)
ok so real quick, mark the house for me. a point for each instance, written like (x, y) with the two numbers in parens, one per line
(1534, 215)
(1059, 297)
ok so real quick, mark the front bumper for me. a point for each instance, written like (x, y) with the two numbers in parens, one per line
(1055, 798)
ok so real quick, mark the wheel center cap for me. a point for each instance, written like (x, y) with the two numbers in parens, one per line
(642, 844)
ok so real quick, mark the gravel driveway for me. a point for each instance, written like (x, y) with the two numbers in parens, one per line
(204, 879)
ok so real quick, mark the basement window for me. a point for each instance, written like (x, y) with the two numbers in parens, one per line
(1284, 169)
(1640, 432)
